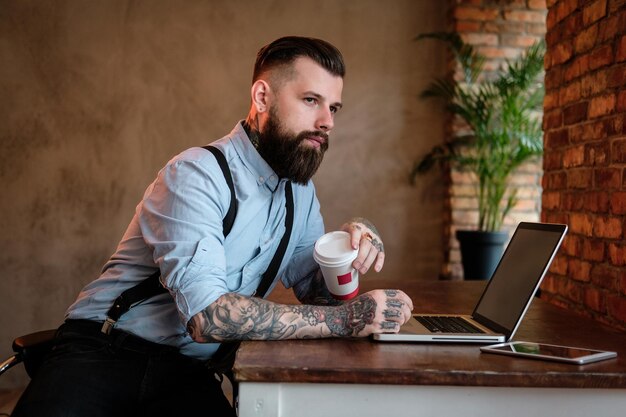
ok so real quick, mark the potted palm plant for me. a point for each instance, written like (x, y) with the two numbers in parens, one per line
(503, 132)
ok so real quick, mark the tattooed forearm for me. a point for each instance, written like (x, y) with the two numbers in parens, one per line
(235, 317)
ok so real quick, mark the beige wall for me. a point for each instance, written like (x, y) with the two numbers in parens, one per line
(97, 95)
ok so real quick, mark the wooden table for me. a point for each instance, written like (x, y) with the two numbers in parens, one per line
(361, 377)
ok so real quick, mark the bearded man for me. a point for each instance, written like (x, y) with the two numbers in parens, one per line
(126, 355)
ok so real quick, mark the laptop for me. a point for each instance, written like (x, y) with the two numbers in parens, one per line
(504, 301)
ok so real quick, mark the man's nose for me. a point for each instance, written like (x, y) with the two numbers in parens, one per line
(325, 120)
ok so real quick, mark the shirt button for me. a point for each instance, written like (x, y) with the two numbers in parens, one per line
(261, 179)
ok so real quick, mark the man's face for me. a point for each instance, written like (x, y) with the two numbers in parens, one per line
(294, 135)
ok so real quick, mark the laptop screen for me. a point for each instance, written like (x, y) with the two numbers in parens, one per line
(518, 275)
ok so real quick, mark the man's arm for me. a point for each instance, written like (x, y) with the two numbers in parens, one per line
(236, 317)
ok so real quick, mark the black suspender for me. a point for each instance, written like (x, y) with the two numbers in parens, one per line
(151, 286)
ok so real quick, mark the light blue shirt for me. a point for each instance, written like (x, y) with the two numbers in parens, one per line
(177, 227)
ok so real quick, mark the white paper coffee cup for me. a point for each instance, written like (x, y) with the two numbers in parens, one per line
(334, 254)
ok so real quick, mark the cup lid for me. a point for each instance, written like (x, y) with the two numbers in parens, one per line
(334, 248)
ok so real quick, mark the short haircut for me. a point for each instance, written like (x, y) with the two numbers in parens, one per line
(285, 50)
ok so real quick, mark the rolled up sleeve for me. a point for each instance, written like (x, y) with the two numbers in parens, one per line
(181, 221)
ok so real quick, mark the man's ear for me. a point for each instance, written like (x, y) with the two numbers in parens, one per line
(260, 94)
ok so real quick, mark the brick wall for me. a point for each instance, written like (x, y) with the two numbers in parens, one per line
(500, 30)
(584, 181)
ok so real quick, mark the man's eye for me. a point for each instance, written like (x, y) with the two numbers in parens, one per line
(333, 109)
(310, 100)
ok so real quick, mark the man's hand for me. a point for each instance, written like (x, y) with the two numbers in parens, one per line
(378, 311)
(366, 239)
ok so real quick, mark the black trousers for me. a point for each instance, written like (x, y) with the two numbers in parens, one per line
(92, 374)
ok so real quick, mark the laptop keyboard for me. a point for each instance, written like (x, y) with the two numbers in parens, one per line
(447, 324)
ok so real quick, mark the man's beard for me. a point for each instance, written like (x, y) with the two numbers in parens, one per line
(287, 154)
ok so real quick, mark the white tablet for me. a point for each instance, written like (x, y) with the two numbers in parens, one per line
(568, 354)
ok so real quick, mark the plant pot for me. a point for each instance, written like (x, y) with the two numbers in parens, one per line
(480, 252)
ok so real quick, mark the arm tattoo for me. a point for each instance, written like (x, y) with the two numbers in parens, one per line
(316, 293)
(235, 317)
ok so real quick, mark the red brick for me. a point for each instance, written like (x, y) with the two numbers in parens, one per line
(551, 100)
(555, 217)
(574, 157)
(552, 160)
(606, 276)
(551, 20)
(579, 178)
(561, 53)
(617, 254)
(572, 202)
(552, 119)
(579, 270)
(617, 76)
(596, 201)
(597, 154)
(570, 93)
(608, 227)
(617, 307)
(536, 29)
(621, 101)
(593, 250)
(492, 52)
(618, 202)
(601, 106)
(594, 12)
(557, 138)
(480, 38)
(581, 223)
(575, 113)
(555, 180)
(608, 178)
(559, 265)
(553, 78)
(621, 50)
(571, 26)
(614, 125)
(537, 4)
(550, 200)
(518, 40)
(572, 245)
(578, 67)
(550, 284)
(587, 132)
(586, 39)
(462, 26)
(474, 13)
(608, 29)
(573, 291)
(564, 8)
(595, 299)
(525, 16)
(593, 83)
(615, 5)
(618, 151)
(601, 57)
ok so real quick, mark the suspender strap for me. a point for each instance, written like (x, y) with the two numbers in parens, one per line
(151, 286)
(272, 270)
(229, 219)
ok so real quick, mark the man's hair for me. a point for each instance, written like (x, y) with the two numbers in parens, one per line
(285, 50)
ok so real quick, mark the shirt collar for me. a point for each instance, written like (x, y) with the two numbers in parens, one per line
(251, 158)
